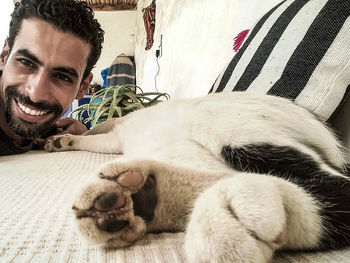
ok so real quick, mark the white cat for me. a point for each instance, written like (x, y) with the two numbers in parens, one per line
(243, 175)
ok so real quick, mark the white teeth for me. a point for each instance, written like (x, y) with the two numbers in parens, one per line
(30, 111)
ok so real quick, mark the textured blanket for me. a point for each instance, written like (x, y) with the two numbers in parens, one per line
(37, 190)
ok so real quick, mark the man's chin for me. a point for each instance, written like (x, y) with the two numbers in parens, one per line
(30, 130)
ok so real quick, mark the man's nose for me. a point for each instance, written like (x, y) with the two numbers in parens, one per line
(39, 88)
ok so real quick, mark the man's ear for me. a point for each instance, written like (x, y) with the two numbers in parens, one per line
(4, 54)
(84, 86)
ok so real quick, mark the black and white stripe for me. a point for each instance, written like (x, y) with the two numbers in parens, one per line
(299, 50)
(232, 66)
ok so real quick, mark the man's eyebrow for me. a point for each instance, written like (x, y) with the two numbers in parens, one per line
(70, 71)
(30, 55)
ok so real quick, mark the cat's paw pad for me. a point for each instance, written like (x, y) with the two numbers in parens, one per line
(59, 143)
(114, 209)
(131, 179)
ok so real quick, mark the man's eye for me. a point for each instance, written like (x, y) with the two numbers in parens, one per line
(63, 77)
(26, 62)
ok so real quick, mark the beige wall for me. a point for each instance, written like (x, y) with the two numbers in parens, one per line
(119, 29)
(196, 38)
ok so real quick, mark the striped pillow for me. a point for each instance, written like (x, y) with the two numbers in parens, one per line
(299, 50)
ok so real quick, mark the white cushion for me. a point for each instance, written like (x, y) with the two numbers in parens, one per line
(298, 50)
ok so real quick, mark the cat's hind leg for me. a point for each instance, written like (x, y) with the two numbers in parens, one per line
(132, 196)
(246, 217)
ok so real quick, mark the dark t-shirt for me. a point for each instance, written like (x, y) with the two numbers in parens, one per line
(7, 147)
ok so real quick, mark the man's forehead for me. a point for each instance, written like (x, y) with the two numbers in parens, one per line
(52, 45)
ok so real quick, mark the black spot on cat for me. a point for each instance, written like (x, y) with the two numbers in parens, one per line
(57, 143)
(111, 225)
(269, 158)
(70, 143)
(332, 192)
(145, 200)
(106, 201)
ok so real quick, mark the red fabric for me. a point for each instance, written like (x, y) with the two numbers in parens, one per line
(149, 19)
(239, 39)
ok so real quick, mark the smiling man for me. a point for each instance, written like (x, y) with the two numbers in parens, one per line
(45, 64)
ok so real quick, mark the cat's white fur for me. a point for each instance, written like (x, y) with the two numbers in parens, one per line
(228, 215)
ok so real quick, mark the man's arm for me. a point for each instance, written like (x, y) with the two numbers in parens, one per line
(64, 126)
(71, 126)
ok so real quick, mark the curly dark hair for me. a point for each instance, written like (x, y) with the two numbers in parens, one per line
(66, 15)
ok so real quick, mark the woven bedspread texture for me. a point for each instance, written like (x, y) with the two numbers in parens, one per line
(37, 191)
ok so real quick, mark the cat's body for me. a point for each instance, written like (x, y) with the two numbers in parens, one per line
(244, 175)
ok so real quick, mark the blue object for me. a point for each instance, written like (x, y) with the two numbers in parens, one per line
(104, 73)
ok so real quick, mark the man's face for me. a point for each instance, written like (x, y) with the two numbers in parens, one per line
(42, 75)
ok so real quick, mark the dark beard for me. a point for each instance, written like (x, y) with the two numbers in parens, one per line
(25, 129)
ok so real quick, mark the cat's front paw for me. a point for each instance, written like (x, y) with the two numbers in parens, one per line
(115, 209)
(59, 143)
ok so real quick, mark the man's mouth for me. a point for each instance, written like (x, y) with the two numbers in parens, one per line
(31, 111)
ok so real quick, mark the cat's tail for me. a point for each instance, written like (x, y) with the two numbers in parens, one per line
(327, 184)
